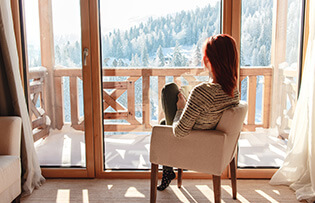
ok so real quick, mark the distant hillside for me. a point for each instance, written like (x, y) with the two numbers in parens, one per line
(186, 28)
(139, 45)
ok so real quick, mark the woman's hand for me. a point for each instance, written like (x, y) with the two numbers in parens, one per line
(181, 101)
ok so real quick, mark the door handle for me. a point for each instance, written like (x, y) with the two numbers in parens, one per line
(85, 54)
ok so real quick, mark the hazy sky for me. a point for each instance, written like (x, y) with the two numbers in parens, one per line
(124, 13)
(114, 13)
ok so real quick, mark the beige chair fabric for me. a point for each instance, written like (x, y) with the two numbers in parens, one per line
(10, 163)
(207, 151)
(10, 135)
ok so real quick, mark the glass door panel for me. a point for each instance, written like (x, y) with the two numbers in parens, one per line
(265, 140)
(57, 88)
(144, 45)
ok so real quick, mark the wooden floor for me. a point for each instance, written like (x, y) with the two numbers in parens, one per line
(113, 190)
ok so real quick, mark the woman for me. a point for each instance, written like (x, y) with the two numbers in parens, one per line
(208, 100)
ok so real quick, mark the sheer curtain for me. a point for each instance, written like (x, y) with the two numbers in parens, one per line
(298, 169)
(12, 100)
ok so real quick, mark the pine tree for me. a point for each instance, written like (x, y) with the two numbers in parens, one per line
(57, 55)
(144, 57)
(255, 58)
(120, 63)
(196, 58)
(263, 57)
(65, 56)
(134, 61)
(177, 56)
(159, 60)
(105, 62)
(114, 63)
(184, 61)
(76, 53)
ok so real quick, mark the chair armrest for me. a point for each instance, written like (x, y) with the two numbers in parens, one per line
(10, 135)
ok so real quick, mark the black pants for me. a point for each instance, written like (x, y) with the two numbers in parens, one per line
(169, 99)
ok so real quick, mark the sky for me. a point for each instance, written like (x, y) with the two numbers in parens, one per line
(126, 13)
(114, 14)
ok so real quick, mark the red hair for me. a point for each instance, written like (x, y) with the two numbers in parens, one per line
(223, 56)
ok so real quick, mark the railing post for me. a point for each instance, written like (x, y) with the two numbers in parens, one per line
(131, 116)
(146, 97)
(278, 47)
(161, 83)
(266, 101)
(252, 83)
(73, 83)
(59, 103)
(48, 55)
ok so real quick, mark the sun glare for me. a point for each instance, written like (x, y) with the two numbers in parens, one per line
(266, 196)
(63, 195)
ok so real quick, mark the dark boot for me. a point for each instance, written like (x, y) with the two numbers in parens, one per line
(168, 176)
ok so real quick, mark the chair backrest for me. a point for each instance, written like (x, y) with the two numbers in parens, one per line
(233, 118)
(231, 124)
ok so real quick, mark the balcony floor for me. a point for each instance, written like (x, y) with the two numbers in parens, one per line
(131, 151)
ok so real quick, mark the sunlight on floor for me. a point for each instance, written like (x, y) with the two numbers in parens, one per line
(109, 187)
(133, 192)
(228, 189)
(138, 190)
(206, 191)
(85, 196)
(276, 191)
(179, 193)
(266, 196)
(63, 195)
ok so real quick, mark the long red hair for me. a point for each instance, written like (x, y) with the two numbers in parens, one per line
(223, 56)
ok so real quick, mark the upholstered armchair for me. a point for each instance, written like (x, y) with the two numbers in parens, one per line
(206, 151)
(10, 163)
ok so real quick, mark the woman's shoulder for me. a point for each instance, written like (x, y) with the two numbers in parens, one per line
(208, 86)
(205, 90)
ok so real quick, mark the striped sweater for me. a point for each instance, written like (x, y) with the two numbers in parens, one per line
(204, 108)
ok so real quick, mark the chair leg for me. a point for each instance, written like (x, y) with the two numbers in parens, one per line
(217, 188)
(179, 177)
(233, 177)
(154, 180)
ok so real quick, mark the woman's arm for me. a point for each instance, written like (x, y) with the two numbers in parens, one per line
(185, 118)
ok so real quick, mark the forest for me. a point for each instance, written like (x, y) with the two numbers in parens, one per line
(176, 39)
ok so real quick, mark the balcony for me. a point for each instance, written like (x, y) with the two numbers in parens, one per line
(128, 126)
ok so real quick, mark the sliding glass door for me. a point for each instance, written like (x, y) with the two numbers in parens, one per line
(59, 85)
(270, 41)
(144, 45)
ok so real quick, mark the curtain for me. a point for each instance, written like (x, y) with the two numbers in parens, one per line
(298, 169)
(12, 100)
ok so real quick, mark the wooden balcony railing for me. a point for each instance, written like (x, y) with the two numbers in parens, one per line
(40, 120)
(252, 73)
(288, 88)
(128, 112)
